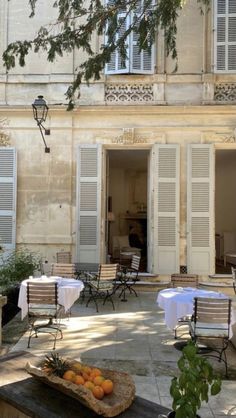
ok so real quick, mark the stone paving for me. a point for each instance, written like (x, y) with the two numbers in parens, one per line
(133, 338)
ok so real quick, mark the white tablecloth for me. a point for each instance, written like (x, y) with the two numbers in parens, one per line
(68, 292)
(178, 302)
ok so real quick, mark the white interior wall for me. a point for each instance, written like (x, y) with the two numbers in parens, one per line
(225, 196)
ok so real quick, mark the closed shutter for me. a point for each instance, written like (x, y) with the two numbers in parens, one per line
(89, 203)
(165, 181)
(200, 209)
(7, 199)
(225, 35)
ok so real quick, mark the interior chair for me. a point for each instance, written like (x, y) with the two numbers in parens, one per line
(121, 245)
(66, 270)
(64, 257)
(102, 285)
(42, 300)
(183, 280)
(211, 321)
(234, 278)
(128, 276)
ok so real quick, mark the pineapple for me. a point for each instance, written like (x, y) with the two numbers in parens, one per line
(54, 364)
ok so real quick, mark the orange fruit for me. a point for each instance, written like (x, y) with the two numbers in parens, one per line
(89, 385)
(87, 369)
(79, 380)
(107, 386)
(69, 375)
(77, 366)
(85, 376)
(98, 392)
(98, 380)
(95, 372)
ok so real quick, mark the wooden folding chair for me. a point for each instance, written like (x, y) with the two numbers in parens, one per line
(42, 300)
(102, 285)
(211, 321)
(64, 257)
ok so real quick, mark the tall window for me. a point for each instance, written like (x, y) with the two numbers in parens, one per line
(225, 36)
(136, 62)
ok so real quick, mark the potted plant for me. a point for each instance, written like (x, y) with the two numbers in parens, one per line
(194, 384)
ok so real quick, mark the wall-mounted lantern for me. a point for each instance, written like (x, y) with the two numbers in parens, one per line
(40, 111)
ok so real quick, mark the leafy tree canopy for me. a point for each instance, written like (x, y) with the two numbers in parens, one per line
(76, 22)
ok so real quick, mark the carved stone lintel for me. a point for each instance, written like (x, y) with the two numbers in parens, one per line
(128, 137)
(226, 137)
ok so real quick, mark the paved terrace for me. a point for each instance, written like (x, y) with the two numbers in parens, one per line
(134, 339)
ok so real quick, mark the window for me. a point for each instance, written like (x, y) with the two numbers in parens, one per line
(225, 36)
(136, 62)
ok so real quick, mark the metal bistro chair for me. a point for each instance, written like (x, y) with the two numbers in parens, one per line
(183, 280)
(211, 321)
(234, 278)
(66, 270)
(104, 284)
(128, 276)
(42, 300)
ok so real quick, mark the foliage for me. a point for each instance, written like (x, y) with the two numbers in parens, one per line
(78, 20)
(17, 266)
(192, 386)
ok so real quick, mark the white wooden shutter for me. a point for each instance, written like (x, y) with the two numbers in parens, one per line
(7, 198)
(165, 183)
(225, 35)
(141, 62)
(89, 203)
(200, 209)
(117, 64)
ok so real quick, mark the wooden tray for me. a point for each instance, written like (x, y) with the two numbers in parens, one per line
(111, 405)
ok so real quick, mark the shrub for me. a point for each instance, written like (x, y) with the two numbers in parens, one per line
(17, 266)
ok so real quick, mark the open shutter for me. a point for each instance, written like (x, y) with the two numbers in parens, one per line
(200, 209)
(165, 183)
(141, 62)
(225, 35)
(7, 199)
(89, 203)
(118, 65)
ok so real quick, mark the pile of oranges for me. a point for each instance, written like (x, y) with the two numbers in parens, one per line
(89, 377)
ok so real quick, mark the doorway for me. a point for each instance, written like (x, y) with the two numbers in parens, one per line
(225, 210)
(127, 197)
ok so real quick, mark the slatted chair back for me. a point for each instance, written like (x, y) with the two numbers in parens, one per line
(107, 272)
(211, 321)
(63, 270)
(234, 278)
(184, 280)
(64, 257)
(135, 262)
(212, 311)
(42, 293)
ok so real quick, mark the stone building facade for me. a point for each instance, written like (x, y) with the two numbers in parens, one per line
(155, 148)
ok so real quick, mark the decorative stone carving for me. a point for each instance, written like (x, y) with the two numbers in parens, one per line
(129, 93)
(225, 92)
(227, 137)
(128, 137)
(4, 136)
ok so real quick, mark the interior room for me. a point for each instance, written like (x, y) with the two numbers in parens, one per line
(127, 202)
(225, 210)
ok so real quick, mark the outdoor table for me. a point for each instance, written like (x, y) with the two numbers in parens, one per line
(21, 392)
(68, 292)
(178, 303)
